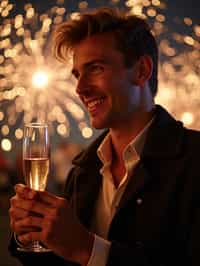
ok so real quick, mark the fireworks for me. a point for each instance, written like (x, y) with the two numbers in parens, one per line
(35, 87)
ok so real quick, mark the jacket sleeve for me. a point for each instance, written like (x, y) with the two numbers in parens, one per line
(120, 255)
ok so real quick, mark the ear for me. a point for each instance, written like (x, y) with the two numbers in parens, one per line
(143, 70)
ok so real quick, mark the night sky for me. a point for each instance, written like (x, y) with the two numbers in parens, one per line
(175, 12)
(176, 9)
(179, 8)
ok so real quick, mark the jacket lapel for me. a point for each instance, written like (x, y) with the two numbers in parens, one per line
(135, 183)
(165, 136)
(88, 182)
(163, 143)
(87, 190)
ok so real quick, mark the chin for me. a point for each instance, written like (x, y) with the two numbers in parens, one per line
(98, 124)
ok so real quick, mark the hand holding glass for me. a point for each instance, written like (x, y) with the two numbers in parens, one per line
(36, 157)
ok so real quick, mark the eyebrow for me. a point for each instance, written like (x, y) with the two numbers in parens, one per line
(88, 64)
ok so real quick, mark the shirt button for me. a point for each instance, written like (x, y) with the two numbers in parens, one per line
(139, 201)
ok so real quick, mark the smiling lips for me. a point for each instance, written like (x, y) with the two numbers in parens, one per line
(92, 105)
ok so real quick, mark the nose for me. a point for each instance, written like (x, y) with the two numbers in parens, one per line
(82, 86)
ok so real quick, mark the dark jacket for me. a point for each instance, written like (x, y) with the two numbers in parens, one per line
(158, 218)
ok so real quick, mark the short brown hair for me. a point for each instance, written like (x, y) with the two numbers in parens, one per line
(132, 35)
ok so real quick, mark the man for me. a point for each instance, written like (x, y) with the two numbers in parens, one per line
(132, 198)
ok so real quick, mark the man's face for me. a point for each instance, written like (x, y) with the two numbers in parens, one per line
(104, 84)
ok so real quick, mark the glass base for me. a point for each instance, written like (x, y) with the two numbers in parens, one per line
(34, 247)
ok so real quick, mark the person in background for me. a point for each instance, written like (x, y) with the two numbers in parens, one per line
(132, 197)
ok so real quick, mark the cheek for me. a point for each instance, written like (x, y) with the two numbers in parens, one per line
(116, 87)
(124, 90)
(128, 96)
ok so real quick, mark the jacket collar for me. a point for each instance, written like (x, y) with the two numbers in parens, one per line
(165, 136)
(89, 156)
(164, 139)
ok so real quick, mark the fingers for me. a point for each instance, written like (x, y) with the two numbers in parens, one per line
(29, 222)
(28, 237)
(51, 199)
(43, 196)
(25, 192)
(38, 232)
(15, 215)
(26, 200)
(33, 202)
(26, 225)
(23, 230)
(31, 206)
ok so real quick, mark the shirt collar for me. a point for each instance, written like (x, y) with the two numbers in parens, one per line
(104, 151)
(136, 145)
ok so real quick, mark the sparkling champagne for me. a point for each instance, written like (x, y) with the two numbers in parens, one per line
(36, 172)
(36, 154)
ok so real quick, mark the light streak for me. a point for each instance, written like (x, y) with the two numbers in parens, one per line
(33, 85)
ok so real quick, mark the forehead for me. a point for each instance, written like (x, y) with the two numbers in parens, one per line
(100, 46)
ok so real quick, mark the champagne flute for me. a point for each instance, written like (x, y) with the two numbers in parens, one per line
(36, 157)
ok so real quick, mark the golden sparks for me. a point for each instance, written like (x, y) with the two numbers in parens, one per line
(35, 87)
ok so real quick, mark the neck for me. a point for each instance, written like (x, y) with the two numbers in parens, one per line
(122, 134)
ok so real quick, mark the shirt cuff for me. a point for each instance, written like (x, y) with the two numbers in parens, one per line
(100, 252)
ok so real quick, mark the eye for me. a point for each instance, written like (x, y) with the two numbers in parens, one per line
(75, 74)
(95, 69)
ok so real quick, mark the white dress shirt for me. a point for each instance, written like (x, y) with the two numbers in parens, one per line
(109, 196)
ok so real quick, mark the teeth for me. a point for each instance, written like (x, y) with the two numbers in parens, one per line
(95, 102)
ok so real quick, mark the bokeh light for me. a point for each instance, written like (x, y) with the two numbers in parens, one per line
(187, 118)
(6, 145)
(40, 79)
